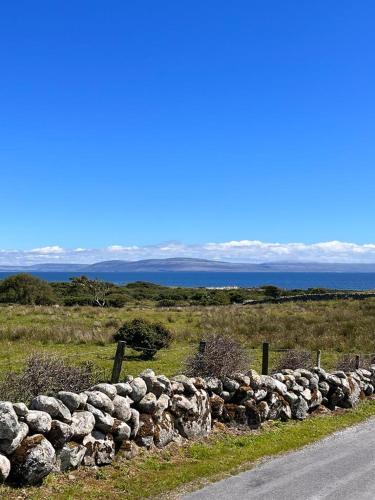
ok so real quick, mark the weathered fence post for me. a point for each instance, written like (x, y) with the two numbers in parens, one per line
(202, 347)
(318, 357)
(265, 357)
(357, 360)
(117, 363)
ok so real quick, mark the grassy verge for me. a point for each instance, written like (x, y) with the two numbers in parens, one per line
(154, 474)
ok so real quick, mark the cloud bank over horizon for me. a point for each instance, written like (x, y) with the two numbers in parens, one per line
(251, 251)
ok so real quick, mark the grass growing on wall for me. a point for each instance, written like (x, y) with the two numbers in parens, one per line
(153, 474)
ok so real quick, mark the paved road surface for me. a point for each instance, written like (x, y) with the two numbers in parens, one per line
(341, 466)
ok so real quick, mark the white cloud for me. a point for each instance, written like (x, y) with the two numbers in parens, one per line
(235, 251)
(48, 250)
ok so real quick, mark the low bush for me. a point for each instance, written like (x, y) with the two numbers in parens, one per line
(46, 374)
(294, 360)
(223, 356)
(347, 362)
(144, 336)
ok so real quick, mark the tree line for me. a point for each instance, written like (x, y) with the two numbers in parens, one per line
(28, 289)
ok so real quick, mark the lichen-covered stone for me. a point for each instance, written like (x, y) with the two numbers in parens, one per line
(9, 446)
(39, 422)
(83, 423)
(70, 456)
(100, 449)
(33, 460)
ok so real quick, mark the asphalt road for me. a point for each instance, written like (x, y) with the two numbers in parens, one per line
(341, 466)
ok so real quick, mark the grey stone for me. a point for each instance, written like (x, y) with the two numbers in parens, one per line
(162, 404)
(306, 373)
(120, 430)
(123, 389)
(107, 389)
(9, 425)
(200, 424)
(53, 407)
(100, 400)
(260, 394)
(164, 430)
(139, 389)
(255, 379)
(33, 460)
(71, 456)
(148, 403)
(324, 388)
(100, 449)
(4, 468)
(59, 434)
(189, 387)
(306, 393)
(177, 387)
(121, 408)
(134, 422)
(291, 398)
(103, 421)
(71, 400)
(316, 398)
(226, 396)
(214, 385)
(299, 409)
(303, 381)
(83, 423)
(39, 422)
(230, 385)
(9, 446)
(21, 409)
(180, 404)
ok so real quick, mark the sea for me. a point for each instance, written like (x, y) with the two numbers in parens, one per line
(287, 280)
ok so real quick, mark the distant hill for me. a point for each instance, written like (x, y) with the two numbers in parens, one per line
(190, 265)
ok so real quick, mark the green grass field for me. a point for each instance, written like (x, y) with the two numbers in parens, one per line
(85, 333)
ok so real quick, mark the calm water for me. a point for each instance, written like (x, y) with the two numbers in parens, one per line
(352, 281)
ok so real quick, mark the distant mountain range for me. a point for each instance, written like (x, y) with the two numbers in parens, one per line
(190, 265)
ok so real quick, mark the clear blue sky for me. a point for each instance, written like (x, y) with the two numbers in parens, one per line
(129, 122)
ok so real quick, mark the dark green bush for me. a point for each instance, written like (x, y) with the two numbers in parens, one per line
(26, 289)
(144, 336)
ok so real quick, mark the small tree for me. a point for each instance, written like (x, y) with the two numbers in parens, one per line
(144, 336)
(26, 289)
(96, 289)
(271, 291)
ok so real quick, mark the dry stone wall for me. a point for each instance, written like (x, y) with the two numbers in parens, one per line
(70, 430)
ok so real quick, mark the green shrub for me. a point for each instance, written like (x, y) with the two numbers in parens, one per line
(26, 289)
(144, 336)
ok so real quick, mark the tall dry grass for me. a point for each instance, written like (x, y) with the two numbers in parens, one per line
(344, 326)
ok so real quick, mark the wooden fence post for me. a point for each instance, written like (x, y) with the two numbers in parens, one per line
(318, 357)
(265, 357)
(117, 363)
(202, 347)
(357, 360)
